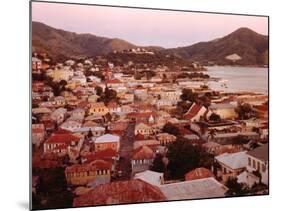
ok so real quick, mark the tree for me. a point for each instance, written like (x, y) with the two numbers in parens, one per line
(212, 134)
(98, 90)
(149, 74)
(99, 74)
(56, 87)
(39, 77)
(206, 160)
(90, 134)
(245, 111)
(235, 188)
(215, 118)
(205, 101)
(184, 106)
(188, 94)
(108, 117)
(52, 189)
(138, 76)
(158, 164)
(63, 83)
(172, 129)
(183, 157)
(108, 95)
(258, 174)
(88, 72)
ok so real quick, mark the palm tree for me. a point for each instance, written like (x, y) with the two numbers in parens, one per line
(212, 134)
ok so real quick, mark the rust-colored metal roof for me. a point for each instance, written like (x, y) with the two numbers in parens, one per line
(123, 192)
(198, 173)
(62, 138)
(143, 152)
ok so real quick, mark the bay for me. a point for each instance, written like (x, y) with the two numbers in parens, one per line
(252, 79)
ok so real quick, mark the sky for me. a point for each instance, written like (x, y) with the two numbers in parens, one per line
(144, 27)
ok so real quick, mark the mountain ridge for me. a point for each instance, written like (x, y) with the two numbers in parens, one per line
(249, 45)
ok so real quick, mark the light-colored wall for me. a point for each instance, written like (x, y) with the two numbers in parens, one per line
(83, 178)
(261, 166)
(107, 145)
(98, 110)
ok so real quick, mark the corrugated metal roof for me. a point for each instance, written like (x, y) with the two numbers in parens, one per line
(200, 188)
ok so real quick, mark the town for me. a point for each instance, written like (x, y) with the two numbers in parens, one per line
(140, 126)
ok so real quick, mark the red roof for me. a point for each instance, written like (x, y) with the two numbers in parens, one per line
(139, 137)
(112, 104)
(140, 88)
(193, 111)
(143, 152)
(101, 164)
(62, 131)
(132, 191)
(37, 162)
(264, 125)
(38, 130)
(48, 124)
(83, 104)
(262, 108)
(113, 81)
(62, 138)
(103, 154)
(198, 173)
(93, 166)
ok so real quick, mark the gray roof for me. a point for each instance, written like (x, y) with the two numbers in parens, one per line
(235, 160)
(260, 153)
(195, 189)
(107, 138)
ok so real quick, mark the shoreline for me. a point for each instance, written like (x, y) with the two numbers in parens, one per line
(248, 66)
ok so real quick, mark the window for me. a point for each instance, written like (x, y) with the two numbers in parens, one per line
(259, 166)
(249, 161)
(254, 164)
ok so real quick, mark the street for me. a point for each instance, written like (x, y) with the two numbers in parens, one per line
(126, 150)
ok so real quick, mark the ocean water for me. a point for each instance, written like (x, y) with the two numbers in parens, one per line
(253, 79)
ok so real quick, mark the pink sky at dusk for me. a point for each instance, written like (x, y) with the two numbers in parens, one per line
(144, 27)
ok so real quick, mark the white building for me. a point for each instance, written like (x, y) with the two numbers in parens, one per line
(58, 115)
(257, 161)
(231, 164)
(70, 125)
(151, 177)
(107, 141)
